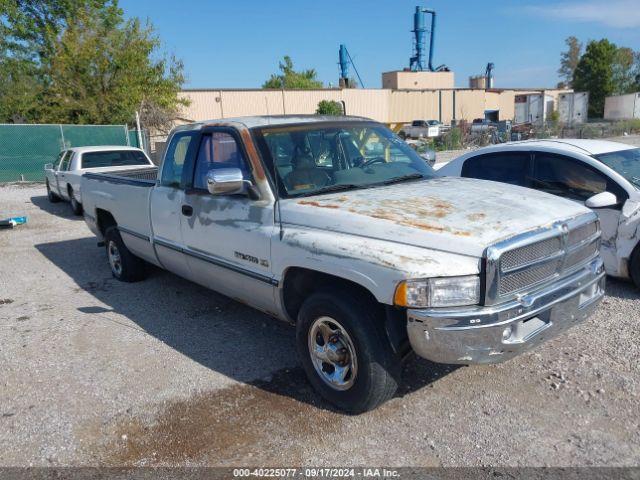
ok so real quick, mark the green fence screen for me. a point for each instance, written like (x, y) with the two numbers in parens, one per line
(25, 149)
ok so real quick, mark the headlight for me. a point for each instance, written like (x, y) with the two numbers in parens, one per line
(438, 292)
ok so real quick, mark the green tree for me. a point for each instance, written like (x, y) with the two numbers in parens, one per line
(569, 60)
(594, 74)
(87, 64)
(626, 71)
(329, 107)
(289, 78)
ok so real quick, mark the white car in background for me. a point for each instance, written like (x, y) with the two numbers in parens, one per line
(63, 177)
(603, 175)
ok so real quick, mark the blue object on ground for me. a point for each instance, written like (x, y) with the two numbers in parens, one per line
(12, 222)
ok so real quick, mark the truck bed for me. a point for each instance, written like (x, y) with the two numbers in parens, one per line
(125, 196)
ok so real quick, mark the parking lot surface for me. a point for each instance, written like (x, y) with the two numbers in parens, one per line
(164, 372)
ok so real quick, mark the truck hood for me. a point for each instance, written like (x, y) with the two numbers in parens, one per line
(452, 214)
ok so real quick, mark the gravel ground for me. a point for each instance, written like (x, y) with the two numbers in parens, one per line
(163, 372)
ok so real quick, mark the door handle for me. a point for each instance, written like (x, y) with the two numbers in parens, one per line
(187, 210)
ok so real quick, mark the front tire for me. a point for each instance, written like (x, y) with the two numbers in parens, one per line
(76, 206)
(125, 266)
(634, 266)
(345, 352)
(52, 197)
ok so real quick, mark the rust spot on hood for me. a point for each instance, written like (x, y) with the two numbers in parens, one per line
(317, 204)
(414, 212)
(416, 223)
(476, 216)
(417, 212)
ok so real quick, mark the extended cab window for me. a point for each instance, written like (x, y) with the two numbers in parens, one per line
(505, 167)
(218, 150)
(175, 157)
(570, 178)
(113, 159)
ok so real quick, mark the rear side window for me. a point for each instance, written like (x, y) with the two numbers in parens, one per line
(506, 167)
(572, 179)
(175, 157)
(116, 158)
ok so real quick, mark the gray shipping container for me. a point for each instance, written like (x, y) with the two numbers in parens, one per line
(573, 107)
(533, 108)
(622, 107)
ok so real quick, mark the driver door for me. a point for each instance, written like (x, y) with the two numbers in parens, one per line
(574, 180)
(227, 238)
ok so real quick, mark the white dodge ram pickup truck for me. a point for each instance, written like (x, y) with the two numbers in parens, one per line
(336, 225)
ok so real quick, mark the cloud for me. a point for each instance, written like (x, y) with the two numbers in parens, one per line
(612, 13)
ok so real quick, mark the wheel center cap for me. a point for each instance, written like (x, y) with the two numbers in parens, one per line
(335, 351)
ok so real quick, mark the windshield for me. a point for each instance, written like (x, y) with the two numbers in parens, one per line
(318, 158)
(624, 162)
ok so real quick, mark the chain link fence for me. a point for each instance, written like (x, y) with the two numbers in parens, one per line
(465, 136)
(25, 149)
(584, 130)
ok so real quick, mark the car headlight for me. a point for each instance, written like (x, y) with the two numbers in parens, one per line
(438, 292)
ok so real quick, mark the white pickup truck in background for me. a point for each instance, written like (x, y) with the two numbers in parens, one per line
(335, 225)
(422, 129)
(63, 178)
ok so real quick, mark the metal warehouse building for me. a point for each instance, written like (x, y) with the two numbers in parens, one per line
(390, 106)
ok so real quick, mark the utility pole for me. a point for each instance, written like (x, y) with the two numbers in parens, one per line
(140, 145)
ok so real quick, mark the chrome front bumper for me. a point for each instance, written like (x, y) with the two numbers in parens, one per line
(496, 333)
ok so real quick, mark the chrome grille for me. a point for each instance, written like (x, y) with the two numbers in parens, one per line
(514, 265)
(581, 254)
(518, 257)
(579, 234)
(513, 282)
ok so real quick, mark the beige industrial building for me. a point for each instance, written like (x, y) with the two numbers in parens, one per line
(390, 106)
(407, 80)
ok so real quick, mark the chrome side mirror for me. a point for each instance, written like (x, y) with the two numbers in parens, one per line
(602, 200)
(225, 181)
(48, 166)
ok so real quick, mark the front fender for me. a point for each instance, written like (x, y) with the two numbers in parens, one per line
(628, 234)
(377, 265)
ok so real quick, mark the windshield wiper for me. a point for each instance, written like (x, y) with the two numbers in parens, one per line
(332, 188)
(403, 178)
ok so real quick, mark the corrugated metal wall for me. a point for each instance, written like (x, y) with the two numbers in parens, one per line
(383, 105)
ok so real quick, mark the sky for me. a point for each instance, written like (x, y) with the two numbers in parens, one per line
(238, 44)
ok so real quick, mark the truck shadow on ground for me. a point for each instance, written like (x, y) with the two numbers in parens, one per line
(60, 209)
(211, 329)
(622, 289)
